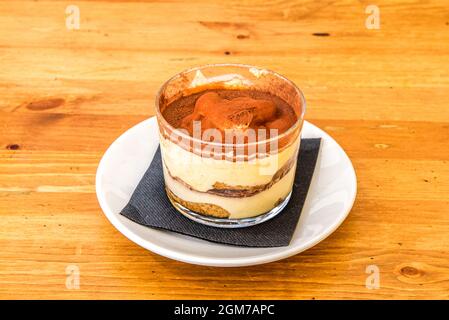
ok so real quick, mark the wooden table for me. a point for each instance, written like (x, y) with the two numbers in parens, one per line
(65, 95)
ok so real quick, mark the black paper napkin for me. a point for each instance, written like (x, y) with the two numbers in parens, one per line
(149, 206)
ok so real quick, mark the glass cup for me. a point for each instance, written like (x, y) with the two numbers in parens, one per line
(238, 179)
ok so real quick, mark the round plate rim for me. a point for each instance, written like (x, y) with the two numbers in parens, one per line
(284, 252)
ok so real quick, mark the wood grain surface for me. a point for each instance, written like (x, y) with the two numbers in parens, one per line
(66, 95)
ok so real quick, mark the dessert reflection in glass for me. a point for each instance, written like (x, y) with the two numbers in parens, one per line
(229, 138)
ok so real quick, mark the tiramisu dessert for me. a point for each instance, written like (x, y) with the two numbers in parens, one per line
(229, 137)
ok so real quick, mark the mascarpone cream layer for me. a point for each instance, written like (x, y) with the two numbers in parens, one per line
(202, 173)
(238, 208)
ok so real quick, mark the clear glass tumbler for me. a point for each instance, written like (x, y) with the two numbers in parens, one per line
(222, 182)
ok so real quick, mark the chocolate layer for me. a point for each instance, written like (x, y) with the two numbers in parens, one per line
(230, 109)
(237, 117)
(224, 190)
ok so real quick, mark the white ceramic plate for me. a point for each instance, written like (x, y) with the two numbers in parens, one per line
(328, 202)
